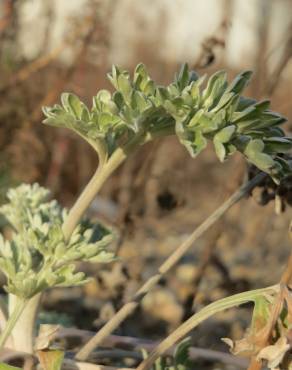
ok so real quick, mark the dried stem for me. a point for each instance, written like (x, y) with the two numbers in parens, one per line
(285, 281)
(130, 307)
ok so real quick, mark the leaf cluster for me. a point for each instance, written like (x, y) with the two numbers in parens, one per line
(195, 111)
(37, 256)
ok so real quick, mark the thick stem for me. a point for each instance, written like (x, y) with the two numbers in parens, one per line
(130, 307)
(105, 169)
(13, 318)
(202, 315)
(94, 185)
(23, 331)
(90, 191)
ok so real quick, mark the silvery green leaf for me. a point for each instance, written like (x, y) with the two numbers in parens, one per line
(215, 88)
(262, 106)
(254, 147)
(72, 104)
(231, 107)
(240, 82)
(224, 135)
(249, 113)
(195, 87)
(254, 151)
(224, 101)
(171, 108)
(119, 99)
(27, 285)
(219, 119)
(60, 250)
(259, 121)
(173, 90)
(220, 150)
(272, 118)
(149, 88)
(104, 120)
(263, 161)
(203, 120)
(66, 276)
(162, 94)
(103, 257)
(187, 98)
(124, 86)
(140, 74)
(286, 167)
(103, 96)
(230, 148)
(113, 76)
(85, 115)
(245, 103)
(198, 144)
(274, 132)
(140, 102)
(278, 144)
(58, 117)
(195, 120)
(248, 126)
(183, 77)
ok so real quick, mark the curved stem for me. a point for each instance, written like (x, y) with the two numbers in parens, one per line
(90, 191)
(23, 333)
(105, 169)
(130, 306)
(18, 309)
(196, 319)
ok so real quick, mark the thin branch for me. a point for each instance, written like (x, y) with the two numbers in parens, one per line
(24, 73)
(130, 307)
(91, 190)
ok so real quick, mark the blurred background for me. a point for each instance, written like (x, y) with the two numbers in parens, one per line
(160, 194)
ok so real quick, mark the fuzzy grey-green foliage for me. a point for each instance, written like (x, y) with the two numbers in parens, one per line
(217, 112)
(37, 256)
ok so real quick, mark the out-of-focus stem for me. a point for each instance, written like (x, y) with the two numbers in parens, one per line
(11, 323)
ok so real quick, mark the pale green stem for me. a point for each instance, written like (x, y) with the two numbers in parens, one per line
(90, 191)
(105, 169)
(202, 315)
(18, 309)
(23, 333)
